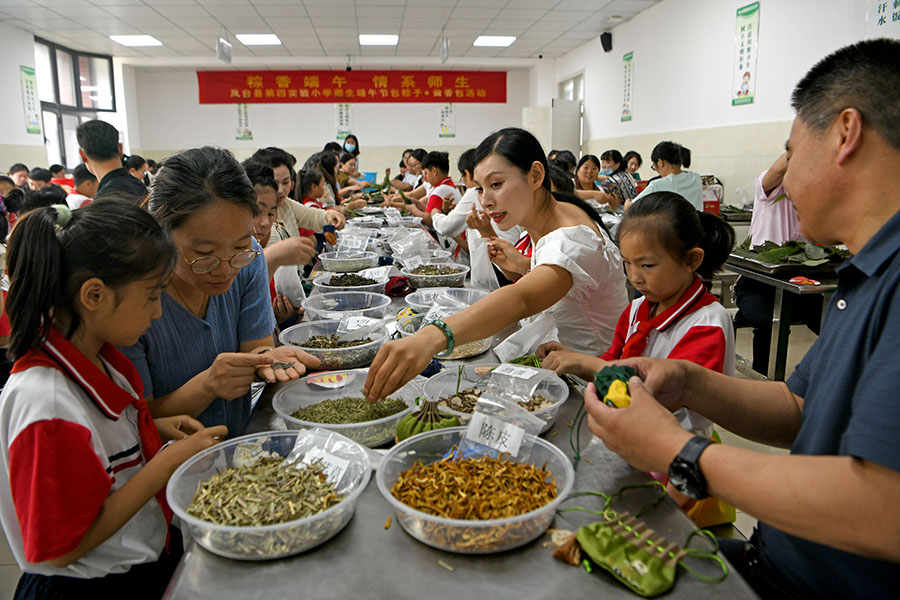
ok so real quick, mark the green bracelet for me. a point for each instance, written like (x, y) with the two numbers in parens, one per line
(451, 341)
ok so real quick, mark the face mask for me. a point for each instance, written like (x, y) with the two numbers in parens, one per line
(349, 147)
(606, 172)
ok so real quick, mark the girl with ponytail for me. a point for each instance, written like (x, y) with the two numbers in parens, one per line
(670, 160)
(82, 479)
(575, 279)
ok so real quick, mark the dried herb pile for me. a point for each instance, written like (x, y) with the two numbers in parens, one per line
(435, 270)
(330, 341)
(475, 488)
(465, 401)
(345, 411)
(263, 493)
(350, 280)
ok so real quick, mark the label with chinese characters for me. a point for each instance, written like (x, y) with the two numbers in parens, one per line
(412, 262)
(883, 19)
(333, 466)
(495, 433)
(434, 313)
(516, 371)
(627, 86)
(746, 47)
(376, 273)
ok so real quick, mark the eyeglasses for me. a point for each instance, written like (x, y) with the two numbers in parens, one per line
(653, 166)
(208, 264)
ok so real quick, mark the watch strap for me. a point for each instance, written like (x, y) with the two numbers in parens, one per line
(694, 447)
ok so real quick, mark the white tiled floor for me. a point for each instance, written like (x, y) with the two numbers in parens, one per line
(801, 340)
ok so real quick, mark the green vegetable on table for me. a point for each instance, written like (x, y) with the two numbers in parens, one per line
(793, 252)
(427, 418)
(529, 360)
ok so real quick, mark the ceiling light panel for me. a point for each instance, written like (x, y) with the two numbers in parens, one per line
(258, 39)
(494, 41)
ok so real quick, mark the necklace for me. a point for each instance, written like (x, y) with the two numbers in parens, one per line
(198, 312)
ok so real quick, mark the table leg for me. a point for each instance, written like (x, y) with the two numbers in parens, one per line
(781, 331)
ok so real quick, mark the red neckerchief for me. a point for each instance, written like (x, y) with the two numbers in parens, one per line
(694, 298)
(307, 201)
(523, 245)
(445, 181)
(56, 352)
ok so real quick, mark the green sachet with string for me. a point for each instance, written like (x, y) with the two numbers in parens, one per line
(612, 385)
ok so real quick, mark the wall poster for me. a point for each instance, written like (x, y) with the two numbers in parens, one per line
(746, 47)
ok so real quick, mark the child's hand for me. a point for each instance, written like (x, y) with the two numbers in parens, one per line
(283, 309)
(448, 204)
(580, 365)
(480, 221)
(176, 428)
(183, 449)
(332, 217)
(286, 355)
(548, 347)
(301, 249)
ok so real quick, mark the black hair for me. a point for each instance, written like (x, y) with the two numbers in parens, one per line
(566, 160)
(585, 158)
(466, 162)
(152, 165)
(355, 140)
(863, 76)
(632, 154)
(552, 154)
(4, 221)
(347, 157)
(616, 157)
(441, 160)
(402, 164)
(46, 196)
(419, 154)
(40, 174)
(134, 161)
(260, 174)
(679, 227)
(194, 179)
(521, 149)
(49, 260)
(672, 153)
(325, 162)
(275, 157)
(81, 174)
(55, 168)
(7, 179)
(98, 139)
(16, 168)
(309, 178)
(562, 181)
(14, 201)
(333, 147)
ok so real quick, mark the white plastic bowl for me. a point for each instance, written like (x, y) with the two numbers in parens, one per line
(331, 262)
(334, 358)
(340, 384)
(444, 384)
(268, 541)
(420, 301)
(462, 536)
(456, 279)
(337, 305)
(409, 325)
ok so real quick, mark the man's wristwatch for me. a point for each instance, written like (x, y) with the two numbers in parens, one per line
(685, 473)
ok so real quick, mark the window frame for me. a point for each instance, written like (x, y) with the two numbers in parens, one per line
(76, 67)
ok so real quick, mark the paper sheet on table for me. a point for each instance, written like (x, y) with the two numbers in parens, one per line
(533, 333)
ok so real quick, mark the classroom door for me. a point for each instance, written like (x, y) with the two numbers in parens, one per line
(565, 128)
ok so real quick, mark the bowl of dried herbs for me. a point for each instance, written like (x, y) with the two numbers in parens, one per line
(411, 324)
(335, 401)
(337, 305)
(473, 504)
(347, 282)
(338, 263)
(434, 274)
(321, 339)
(269, 495)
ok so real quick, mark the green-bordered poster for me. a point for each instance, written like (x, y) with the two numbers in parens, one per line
(627, 85)
(746, 47)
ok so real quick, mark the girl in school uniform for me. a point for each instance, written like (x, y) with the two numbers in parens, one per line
(82, 489)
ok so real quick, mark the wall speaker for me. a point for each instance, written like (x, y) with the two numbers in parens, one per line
(606, 41)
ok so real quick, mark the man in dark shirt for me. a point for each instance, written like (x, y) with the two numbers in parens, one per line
(101, 152)
(829, 518)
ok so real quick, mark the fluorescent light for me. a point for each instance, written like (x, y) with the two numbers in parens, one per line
(136, 40)
(369, 39)
(499, 41)
(258, 39)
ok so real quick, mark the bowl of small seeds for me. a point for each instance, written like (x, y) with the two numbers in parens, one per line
(268, 495)
(333, 261)
(347, 282)
(421, 300)
(320, 338)
(457, 390)
(461, 502)
(335, 401)
(407, 326)
(337, 305)
(444, 274)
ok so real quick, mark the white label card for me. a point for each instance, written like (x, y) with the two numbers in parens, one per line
(351, 243)
(434, 313)
(376, 273)
(495, 433)
(516, 371)
(334, 466)
(412, 262)
(427, 297)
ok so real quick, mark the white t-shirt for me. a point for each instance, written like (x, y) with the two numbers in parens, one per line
(687, 184)
(76, 200)
(586, 316)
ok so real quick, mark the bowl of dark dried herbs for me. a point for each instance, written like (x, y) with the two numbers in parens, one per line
(269, 495)
(446, 274)
(321, 339)
(335, 401)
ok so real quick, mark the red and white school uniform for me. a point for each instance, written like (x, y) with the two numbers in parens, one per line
(313, 202)
(697, 328)
(69, 437)
(437, 194)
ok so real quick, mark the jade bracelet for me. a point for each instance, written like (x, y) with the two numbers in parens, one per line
(451, 341)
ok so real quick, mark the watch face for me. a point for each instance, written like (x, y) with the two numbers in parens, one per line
(686, 478)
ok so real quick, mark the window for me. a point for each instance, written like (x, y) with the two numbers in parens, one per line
(73, 87)
(573, 89)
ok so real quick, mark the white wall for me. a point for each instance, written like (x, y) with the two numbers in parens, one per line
(169, 117)
(16, 145)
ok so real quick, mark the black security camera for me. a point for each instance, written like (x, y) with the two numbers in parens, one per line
(541, 56)
(349, 68)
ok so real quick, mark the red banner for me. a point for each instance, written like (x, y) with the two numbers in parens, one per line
(238, 87)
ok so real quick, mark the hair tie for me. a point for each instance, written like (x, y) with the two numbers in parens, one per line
(63, 215)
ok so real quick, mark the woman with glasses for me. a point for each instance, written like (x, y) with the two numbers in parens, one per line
(669, 160)
(215, 335)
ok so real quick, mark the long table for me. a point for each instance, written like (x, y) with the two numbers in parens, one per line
(781, 322)
(367, 561)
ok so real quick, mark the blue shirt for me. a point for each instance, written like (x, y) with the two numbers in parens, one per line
(687, 184)
(179, 345)
(849, 382)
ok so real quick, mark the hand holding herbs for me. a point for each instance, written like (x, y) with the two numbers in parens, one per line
(287, 363)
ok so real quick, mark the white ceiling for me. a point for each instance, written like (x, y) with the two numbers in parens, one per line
(321, 28)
